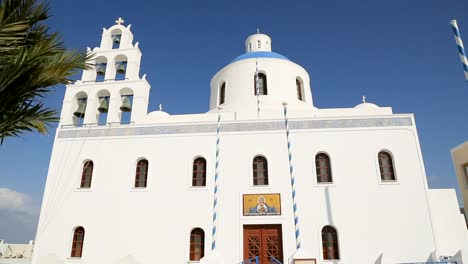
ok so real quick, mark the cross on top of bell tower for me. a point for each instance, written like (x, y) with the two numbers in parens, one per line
(119, 21)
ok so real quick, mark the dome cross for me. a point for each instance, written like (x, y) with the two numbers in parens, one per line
(119, 21)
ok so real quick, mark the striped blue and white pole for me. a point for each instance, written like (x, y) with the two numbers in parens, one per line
(257, 87)
(215, 192)
(461, 48)
(291, 173)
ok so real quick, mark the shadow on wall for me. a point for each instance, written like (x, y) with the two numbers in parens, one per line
(379, 259)
(328, 203)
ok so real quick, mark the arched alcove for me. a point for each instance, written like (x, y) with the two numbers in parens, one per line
(116, 38)
(103, 107)
(126, 95)
(120, 67)
(80, 102)
(101, 68)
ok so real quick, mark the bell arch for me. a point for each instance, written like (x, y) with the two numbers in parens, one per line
(120, 67)
(126, 95)
(103, 97)
(101, 68)
(116, 38)
(80, 102)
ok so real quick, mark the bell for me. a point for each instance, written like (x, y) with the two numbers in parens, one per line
(101, 69)
(116, 38)
(104, 107)
(121, 68)
(126, 107)
(80, 112)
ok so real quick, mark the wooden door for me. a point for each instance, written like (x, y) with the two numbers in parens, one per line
(264, 241)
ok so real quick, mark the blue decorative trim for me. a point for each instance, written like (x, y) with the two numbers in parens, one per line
(131, 130)
(260, 54)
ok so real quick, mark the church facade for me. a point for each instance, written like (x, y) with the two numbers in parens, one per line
(262, 177)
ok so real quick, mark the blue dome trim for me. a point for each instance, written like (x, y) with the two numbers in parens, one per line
(259, 54)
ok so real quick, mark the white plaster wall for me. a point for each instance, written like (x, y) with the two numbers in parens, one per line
(375, 221)
(151, 224)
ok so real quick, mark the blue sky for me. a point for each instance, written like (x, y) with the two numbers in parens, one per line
(398, 53)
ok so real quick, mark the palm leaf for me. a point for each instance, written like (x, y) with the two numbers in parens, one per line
(32, 60)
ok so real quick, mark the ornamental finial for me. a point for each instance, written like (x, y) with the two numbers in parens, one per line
(119, 21)
(364, 99)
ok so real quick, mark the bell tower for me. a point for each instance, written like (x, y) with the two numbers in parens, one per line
(112, 92)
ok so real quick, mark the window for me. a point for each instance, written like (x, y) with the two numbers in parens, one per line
(387, 172)
(260, 171)
(199, 172)
(141, 174)
(259, 43)
(197, 244)
(77, 245)
(222, 93)
(87, 174)
(330, 243)
(323, 168)
(262, 84)
(299, 90)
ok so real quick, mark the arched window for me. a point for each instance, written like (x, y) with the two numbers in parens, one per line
(87, 174)
(330, 243)
(323, 168)
(141, 174)
(222, 93)
(299, 90)
(387, 172)
(78, 240)
(199, 172)
(197, 244)
(262, 84)
(260, 171)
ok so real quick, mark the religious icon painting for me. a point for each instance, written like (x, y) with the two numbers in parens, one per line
(262, 204)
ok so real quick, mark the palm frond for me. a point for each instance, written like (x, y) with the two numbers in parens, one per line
(32, 60)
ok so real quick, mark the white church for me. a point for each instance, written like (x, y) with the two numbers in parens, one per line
(262, 177)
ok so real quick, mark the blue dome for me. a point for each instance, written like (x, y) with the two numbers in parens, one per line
(259, 54)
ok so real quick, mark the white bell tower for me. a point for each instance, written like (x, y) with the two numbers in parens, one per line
(112, 92)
